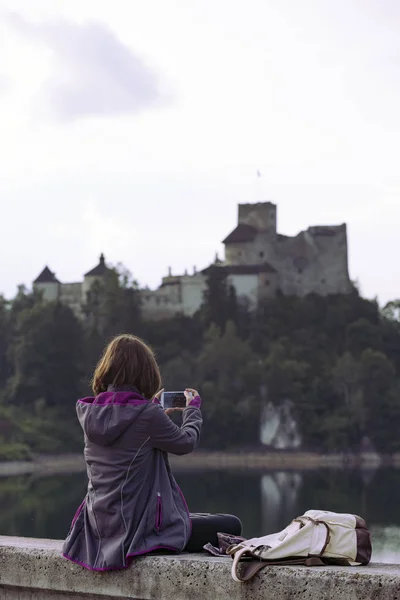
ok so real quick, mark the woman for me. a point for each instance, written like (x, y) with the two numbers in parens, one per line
(133, 505)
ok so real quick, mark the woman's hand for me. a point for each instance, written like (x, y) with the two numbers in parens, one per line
(168, 411)
(190, 393)
(157, 397)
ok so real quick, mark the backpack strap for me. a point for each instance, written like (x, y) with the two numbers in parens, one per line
(249, 568)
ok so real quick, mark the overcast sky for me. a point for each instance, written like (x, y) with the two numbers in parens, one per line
(134, 128)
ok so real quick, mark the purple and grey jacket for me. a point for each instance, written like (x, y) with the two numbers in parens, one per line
(133, 504)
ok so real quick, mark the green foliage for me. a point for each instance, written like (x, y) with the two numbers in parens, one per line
(47, 353)
(392, 311)
(112, 307)
(15, 451)
(5, 333)
(220, 303)
(229, 374)
(336, 358)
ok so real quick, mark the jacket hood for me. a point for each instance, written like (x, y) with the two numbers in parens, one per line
(104, 418)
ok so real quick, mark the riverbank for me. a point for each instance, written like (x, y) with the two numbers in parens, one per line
(201, 460)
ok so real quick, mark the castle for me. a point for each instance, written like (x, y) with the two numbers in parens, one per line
(258, 263)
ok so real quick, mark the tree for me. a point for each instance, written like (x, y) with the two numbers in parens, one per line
(336, 359)
(391, 311)
(377, 380)
(376, 376)
(47, 353)
(5, 339)
(171, 338)
(112, 307)
(178, 373)
(230, 378)
(362, 335)
(220, 302)
(346, 379)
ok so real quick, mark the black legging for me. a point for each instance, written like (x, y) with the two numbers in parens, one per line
(205, 528)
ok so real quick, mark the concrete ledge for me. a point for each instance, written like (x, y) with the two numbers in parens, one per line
(33, 568)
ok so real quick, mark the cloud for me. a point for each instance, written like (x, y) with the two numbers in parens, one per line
(93, 72)
(4, 83)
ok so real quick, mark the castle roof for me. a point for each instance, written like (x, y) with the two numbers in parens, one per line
(242, 233)
(242, 269)
(46, 276)
(100, 269)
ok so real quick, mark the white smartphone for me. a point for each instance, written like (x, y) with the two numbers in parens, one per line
(173, 400)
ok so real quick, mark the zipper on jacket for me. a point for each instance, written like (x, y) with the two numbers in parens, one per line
(158, 512)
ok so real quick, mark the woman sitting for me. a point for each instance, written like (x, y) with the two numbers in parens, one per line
(133, 504)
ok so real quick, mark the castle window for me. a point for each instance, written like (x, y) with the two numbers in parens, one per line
(323, 280)
(261, 255)
(266, 282)
(299, 271)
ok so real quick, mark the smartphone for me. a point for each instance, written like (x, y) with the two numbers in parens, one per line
(173, 400)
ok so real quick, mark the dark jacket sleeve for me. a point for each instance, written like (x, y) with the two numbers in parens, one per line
(167, 436)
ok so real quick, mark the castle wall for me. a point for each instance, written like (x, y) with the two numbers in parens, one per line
(262, 216)
(50, 291)
(263, 249)
(177, 295)
(71, 295)
(267, 285)
(260, 250)
(158, 304)
(239, 254)
(192, 291)
(314, 261)
(246, 286)
(88, 281)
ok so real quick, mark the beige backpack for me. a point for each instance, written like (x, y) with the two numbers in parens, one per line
(316, 538)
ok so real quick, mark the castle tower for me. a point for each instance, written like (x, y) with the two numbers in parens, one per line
(247, 244)
(261, 216)
(47, 284)
(94, 275)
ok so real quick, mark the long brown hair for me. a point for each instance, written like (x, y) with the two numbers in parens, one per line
(127, 360)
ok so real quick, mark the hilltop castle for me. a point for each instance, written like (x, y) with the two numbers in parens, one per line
(259, 262)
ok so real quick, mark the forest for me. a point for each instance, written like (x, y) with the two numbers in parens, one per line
(336, 358)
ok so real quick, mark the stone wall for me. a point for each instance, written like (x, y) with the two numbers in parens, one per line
(71, 295)
(261, 250)
(177, 295)
(50, 290)
(314, 261)
(33, 569)
(261, 215)
(246, 286)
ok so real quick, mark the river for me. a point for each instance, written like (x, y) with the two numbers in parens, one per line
(266, 502)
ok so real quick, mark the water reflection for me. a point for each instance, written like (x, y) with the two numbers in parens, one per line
(279, 497)
(42, 507)
(266, 502)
